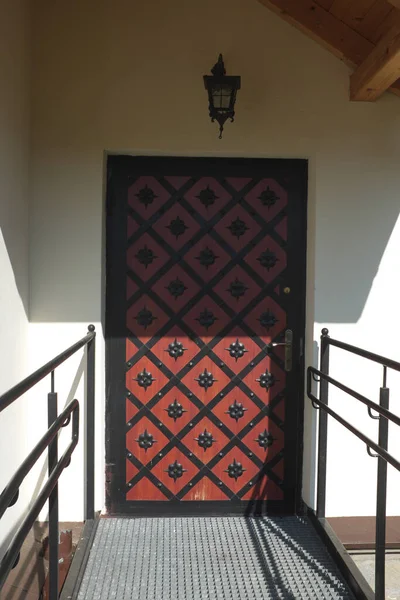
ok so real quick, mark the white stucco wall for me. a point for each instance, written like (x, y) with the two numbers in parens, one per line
(126, 76)
(14, 223)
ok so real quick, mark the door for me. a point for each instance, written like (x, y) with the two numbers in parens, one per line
(205, 273)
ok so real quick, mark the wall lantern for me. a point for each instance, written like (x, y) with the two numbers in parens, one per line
(221, 94)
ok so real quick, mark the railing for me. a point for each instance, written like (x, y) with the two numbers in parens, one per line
(381, 448)
(56, 466)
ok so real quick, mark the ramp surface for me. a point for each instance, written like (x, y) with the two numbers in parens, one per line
(204, 558)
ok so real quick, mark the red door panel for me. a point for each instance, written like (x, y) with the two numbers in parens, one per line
(207, 259)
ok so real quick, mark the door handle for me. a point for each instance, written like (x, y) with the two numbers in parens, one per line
(288, 343)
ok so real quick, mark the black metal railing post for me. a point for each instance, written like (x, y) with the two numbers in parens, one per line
(380, 538)
(323, 427)
(89, 420)
(52, 410)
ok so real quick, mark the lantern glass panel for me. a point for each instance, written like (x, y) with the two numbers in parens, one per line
(221, 96)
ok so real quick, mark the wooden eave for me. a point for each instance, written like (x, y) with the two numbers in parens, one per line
(365, 34)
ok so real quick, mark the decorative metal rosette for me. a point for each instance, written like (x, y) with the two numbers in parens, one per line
(207, 197)
(146, 440)
(268, 197)
(207, 257)
(266, 380)
(176, 288)
(175, 349)
(177, 227)
(145, 317)
(237, 289)
(144, 379)
(267, 320)
(175, 470)
(146, 196)
(235, 470)
(267, 259)
(175, 410)
(236, 410)
(205, 379)
(236, 350)
(238, 228)
(206, 318)
(265, 439)
(145, 256)
(205, 440)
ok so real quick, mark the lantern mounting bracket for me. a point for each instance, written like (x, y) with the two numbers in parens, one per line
(218, 69)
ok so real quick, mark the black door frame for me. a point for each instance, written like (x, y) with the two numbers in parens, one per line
(294, 174)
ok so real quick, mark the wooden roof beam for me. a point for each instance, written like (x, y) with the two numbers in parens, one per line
(326, 29)
(379, 70)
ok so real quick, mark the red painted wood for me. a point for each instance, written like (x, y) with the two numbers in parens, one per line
(205, 489)
(186, 283)
(145, 490)
(131, 471)
(130, 411)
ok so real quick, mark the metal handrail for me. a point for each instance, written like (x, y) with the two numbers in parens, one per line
(11, 490)
(56, 466)
(377, 358)
(370, 403)
(11, 556)
(26, 384)
(381, 448)
(370, 443)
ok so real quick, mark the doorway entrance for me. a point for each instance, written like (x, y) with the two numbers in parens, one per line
(205, 304)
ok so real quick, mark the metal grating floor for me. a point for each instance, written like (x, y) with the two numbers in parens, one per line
(235, 558)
